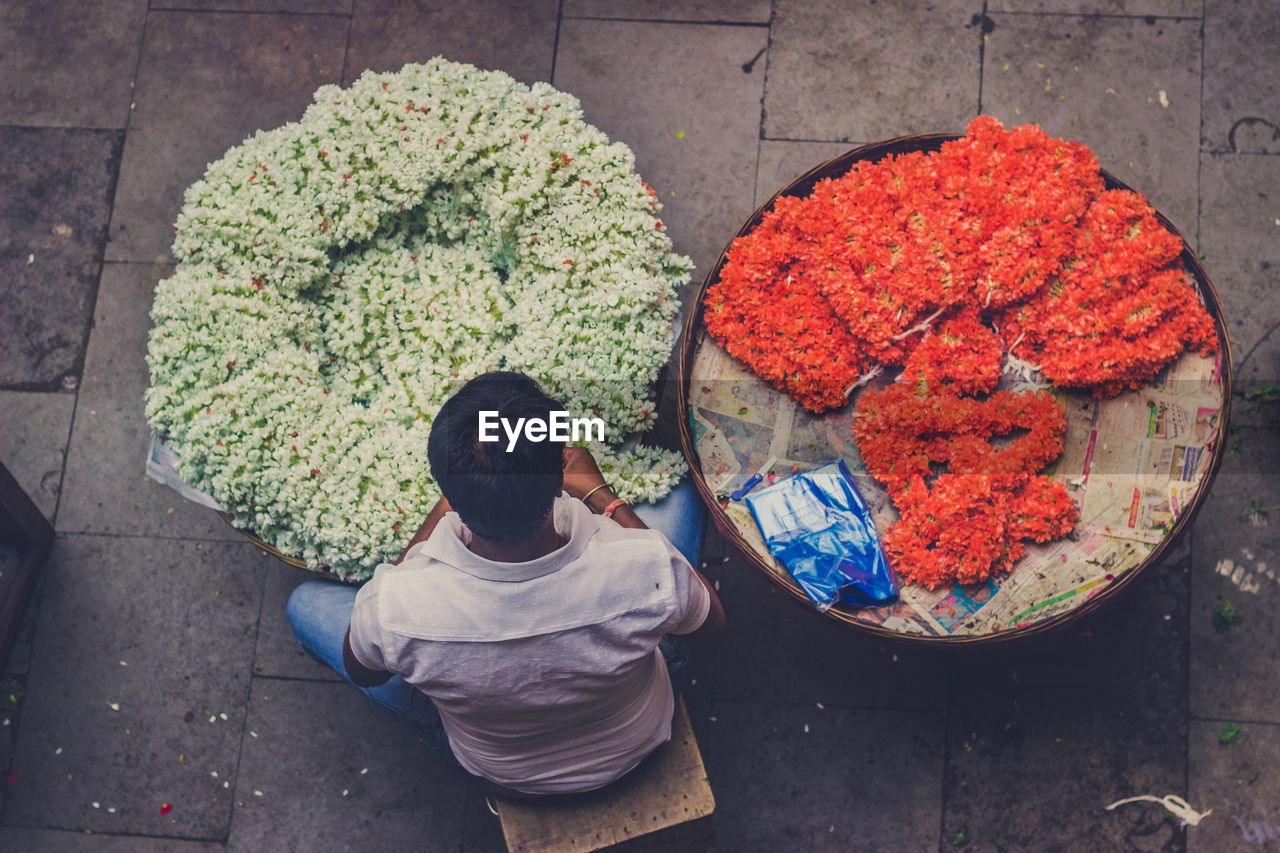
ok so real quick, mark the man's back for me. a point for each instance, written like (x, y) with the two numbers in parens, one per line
(546, 673)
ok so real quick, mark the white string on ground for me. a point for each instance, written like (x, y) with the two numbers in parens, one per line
(1180, 807)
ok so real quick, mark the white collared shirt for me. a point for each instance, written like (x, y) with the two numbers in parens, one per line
(547, 673)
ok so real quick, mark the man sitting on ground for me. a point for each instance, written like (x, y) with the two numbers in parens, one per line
(523, 632)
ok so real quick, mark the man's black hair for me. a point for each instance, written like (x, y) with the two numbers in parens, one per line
(502, 496)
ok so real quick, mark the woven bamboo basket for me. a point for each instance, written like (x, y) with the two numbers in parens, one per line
(845, 614)
(270, 549)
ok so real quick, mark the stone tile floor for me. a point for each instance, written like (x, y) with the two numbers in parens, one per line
(156, 665)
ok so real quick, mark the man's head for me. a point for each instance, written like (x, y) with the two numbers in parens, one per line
(502, 495)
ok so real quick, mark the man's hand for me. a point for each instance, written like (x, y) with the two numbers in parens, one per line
(581, 473)
(582, 476)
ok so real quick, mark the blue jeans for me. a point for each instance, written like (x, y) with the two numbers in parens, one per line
(320, 612)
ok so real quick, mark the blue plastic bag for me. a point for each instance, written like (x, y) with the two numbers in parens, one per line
(817, 525)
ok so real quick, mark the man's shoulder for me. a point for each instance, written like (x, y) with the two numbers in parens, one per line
(630, 553)
(418, 571)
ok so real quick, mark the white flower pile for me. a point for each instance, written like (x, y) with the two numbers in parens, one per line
(339, 277)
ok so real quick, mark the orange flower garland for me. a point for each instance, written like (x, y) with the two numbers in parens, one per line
(971, 523)
(770, 313)
(1120, 311)
(1001, 242)
(1006, 228)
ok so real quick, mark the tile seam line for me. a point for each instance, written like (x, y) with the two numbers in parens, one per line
(161, 264)
(555, 42)
(764, 138)
(346, 46)
(81, 831)
(681, 22)
(51, 387)
(300, 679)
(1200, 137)
(123, 139)
(1220, 152)
(120, 535)
(279, 13)
(90, 127)
(765, 54)
(248, 700)
(1193, 718)
(982, 65)
(837, 706)
(1111, 16)
(1259, 342)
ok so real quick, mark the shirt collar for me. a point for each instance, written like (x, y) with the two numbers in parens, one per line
(448, 544)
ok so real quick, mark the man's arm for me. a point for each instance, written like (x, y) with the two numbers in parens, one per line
(712, 628)
(424, 532)
(360, 674)
(582, 477)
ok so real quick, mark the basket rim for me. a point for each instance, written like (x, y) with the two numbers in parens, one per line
(693, 326)
(273, 551)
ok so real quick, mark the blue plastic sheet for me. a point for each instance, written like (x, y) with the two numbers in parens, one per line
(818, 526)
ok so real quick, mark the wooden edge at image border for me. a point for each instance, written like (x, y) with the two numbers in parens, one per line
(23, 526)
(803, 186)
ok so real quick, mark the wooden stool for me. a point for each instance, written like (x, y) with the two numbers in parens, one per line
(663, 806)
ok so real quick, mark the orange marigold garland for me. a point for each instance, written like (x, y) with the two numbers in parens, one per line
(1008, 227)
(767, 311)
(968, 527)
(1120, 311)
(962, 354)
(971, 523)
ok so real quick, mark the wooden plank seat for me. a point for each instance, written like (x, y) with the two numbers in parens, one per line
(665, 805)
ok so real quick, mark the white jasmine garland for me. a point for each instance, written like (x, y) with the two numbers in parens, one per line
(339, 277)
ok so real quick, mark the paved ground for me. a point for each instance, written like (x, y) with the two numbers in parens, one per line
(158, 667)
